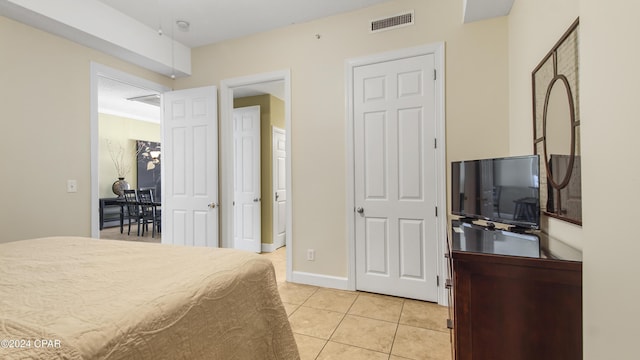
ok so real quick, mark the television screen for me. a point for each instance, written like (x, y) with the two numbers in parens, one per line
(504, 190)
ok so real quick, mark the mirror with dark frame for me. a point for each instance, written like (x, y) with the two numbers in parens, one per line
(556, 128)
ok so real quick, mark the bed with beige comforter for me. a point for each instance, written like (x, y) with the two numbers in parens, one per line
(81, 298)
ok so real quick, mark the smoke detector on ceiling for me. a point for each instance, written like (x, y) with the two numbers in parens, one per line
(392, 22)
(183, 25)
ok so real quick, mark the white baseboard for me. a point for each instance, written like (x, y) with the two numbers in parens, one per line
(327, 281)
(270, 247)
(267, 248)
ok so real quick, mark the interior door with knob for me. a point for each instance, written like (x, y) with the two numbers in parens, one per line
(279, 156)
(395, 180)
(190, 170)
(246, 175)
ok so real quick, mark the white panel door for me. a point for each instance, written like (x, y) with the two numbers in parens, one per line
(395, 178)
(247, 212)
(279, 187)
(190, 156)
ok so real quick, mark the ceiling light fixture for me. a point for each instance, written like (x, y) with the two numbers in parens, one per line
(159, 18)
(173, 61)
(161, 33)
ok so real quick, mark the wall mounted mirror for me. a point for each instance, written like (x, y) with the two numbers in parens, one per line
(556, 128)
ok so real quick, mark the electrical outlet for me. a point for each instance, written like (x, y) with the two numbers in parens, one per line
(311, 254)
(72, 186)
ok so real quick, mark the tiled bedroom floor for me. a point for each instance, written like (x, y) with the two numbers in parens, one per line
(336, 324)
(352, 325)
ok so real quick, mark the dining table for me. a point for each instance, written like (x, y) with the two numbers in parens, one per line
(120, 201)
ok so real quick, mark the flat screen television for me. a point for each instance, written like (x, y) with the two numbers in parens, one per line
(503, 190)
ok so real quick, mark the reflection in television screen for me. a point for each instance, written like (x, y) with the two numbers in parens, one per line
(504, 190)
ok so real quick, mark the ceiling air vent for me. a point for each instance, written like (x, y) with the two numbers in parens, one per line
(153, 99)
(392, 22)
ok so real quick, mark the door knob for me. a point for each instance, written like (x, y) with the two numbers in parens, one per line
(277, 196)
(360, 210)
(213, 205)
(256, 199)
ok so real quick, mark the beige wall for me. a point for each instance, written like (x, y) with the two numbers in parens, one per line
(611, 177)
(271, 114)
(277, 113)
(123, 132)
(476, 103)
(45, 118)
(609, 130)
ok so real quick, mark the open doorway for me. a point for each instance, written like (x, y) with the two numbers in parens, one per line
(259, 167)
(125, 114)
(275, 85)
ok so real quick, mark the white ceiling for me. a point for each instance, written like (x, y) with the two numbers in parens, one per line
(112, 99)
(215, 21)
(476, 10)
(219, 20)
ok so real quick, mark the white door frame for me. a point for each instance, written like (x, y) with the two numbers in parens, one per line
(226, 153)
(97, 71)
(437, 49)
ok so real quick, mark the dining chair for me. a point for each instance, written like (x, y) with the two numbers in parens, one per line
(158, 209)
(134, 212)
(149, 212)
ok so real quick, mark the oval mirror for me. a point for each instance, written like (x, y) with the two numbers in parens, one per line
(558, 132)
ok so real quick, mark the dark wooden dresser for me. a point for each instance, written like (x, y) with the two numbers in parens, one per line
(515, 296)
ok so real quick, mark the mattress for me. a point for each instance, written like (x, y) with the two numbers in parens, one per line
(82, 298)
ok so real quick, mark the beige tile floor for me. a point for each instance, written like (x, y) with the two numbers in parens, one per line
(351, 325)
(113, 233)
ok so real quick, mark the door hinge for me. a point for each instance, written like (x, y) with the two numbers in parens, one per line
(436, 211)
(435, 143)
(435, 76)
(438, 280)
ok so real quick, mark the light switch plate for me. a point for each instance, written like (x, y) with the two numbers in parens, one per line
(311, 254)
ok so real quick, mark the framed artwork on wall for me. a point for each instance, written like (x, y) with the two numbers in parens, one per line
(148, 166)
